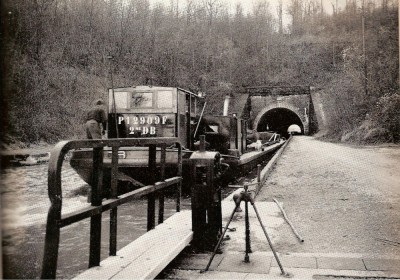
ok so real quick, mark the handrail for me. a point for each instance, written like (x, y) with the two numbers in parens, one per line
(55, 221)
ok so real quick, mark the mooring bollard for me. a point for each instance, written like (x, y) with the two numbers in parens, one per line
(206, 199)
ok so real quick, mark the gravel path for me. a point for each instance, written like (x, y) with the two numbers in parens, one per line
(340, 198)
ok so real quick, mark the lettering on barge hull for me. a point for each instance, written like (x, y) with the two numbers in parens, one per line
(138, 125)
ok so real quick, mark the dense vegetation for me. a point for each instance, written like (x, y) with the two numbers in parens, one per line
(56, 58)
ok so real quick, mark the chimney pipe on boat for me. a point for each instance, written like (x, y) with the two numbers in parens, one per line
(226, 105)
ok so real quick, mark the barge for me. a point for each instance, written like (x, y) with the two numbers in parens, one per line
(151, 111)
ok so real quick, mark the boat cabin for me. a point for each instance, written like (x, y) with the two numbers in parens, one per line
(150, 111)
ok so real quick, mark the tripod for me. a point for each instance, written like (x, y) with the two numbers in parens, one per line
(247, 197)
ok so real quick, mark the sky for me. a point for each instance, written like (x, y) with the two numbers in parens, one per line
(248, 5)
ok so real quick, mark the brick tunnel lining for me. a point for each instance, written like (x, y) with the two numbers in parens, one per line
(278, 120)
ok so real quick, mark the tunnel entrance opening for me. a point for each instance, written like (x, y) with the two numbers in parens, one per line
(279, 120)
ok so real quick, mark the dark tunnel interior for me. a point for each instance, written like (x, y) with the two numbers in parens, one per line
(278, 120)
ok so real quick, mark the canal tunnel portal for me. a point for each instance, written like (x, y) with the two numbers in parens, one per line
(275, 108)
(278, 120)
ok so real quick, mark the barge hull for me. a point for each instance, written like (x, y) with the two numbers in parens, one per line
(134, 167)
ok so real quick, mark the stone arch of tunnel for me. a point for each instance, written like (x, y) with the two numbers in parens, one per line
(278, 120)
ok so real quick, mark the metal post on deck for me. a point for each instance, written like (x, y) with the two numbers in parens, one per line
(233, 134)
(202, 147)
(258, 178)
(96, 200)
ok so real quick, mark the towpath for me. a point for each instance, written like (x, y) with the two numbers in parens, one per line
(343, 200)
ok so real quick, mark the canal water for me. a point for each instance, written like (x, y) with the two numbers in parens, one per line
(24, 206)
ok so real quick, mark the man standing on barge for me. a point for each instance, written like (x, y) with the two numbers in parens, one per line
(96, 120)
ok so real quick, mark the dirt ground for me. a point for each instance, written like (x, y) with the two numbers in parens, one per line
(340, 198)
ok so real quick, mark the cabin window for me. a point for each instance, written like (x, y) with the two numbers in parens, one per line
(164, 99)
(142, 100)
(121, 99)
(215, 128)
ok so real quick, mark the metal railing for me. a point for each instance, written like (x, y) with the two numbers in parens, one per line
(56, 221)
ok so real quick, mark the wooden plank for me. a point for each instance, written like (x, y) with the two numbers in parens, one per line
(148, 255)
(154, 260)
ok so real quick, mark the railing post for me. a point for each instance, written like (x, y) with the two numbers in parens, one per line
(162, 178)
(151, 201)
(114, 193)
(179, 186)
(52, 238)
(95, 221)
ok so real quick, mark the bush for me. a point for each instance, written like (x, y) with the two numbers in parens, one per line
(368, 132)
(387, 114)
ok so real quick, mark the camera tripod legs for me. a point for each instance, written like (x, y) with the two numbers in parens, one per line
(247, 224)
(247, 198)
(270, 243)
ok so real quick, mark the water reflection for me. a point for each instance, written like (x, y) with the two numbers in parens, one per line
(24, 194)
(24, 205)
